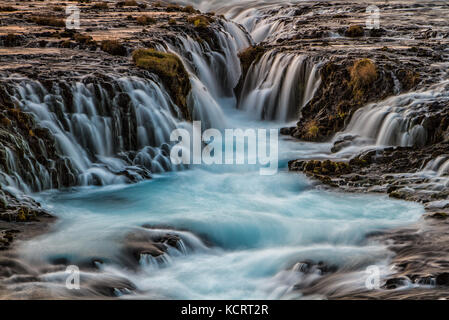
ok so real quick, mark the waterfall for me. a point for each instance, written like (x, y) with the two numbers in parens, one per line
(118, 130)
(214, 73)
(396, 121)
(265, 22)
(263, 19)
(279, 85)
(439, 166)
(106, 132)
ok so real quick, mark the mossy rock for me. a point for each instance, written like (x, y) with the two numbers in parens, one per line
(189, 9)
(363, 73)
(84, 39)
(127, 3)
(170, 69)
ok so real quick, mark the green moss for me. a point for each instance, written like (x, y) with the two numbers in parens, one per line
(169, 68)
(363, 75)
(363, 72)
(22, 215)
(312, 130)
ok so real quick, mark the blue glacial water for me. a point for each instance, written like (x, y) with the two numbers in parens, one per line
(243, 232)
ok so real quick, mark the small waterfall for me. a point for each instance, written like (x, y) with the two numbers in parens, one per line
(265, 22)
(147, 261)
(106, 133)
(439, 165)
(279, 85)
(117, 130)
(263, 19)
(396, 121)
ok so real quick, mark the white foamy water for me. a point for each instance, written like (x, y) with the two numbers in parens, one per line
(243, 231)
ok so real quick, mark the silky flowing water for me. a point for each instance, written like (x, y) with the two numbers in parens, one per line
(243, 232)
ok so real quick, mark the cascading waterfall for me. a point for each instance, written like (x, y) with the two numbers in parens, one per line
(105, 137)
(279, 85)
(396, 121)
(214, 74)
(439, 165)
(265, 20)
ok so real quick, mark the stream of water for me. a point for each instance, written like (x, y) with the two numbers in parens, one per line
(242, 234)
